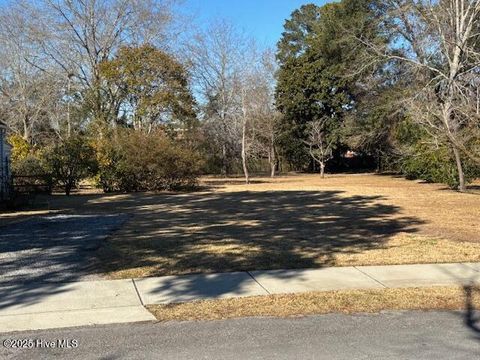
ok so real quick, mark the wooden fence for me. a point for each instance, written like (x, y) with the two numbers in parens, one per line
(31, 184)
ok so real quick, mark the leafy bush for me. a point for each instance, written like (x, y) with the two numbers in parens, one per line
(423, 159)
(436, 165)
(137, 161)
(71, 161)
(20, 148)
(30, 165)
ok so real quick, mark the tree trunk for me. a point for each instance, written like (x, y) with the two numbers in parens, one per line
(26, 130)
(378, 159)
(272, 161)
(224, 159)
(69, 125)
(322, 170)
(68, 188)
(244, 153)
(461, 176)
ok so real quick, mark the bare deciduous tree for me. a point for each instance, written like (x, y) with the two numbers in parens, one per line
(68, 40)
(259, 117)
(320, 143)
(28, 95)
(438, 40)
(268, 116)
(218, 57)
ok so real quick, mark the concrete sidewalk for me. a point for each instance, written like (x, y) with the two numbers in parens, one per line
(171, 289)
(50, 305)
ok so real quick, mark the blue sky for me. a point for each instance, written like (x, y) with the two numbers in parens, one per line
(262, 19)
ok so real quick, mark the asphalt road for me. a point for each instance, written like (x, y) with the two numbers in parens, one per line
(391, 335)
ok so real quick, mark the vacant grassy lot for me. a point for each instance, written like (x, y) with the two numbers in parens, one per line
(298, 221)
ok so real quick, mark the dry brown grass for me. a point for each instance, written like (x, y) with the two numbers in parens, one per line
(297, 221)
(446, 213)
(413, 249)
(348, 301)
(407, 249)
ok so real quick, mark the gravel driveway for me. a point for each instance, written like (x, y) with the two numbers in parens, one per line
(54, 248)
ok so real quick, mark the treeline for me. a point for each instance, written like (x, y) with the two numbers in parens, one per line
(120, 92)
(131, 95)
(394, 80)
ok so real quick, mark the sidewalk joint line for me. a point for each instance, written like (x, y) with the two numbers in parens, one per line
(371, 277)
(470, 266)
(268, 292)
(138, 293)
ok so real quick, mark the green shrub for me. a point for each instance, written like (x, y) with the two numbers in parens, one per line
(30, 165)
(436, 165)
(71, 161)
(137, 161)
(423, 159)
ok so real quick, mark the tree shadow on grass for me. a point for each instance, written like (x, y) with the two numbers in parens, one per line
(244, 231)
(219, 232)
